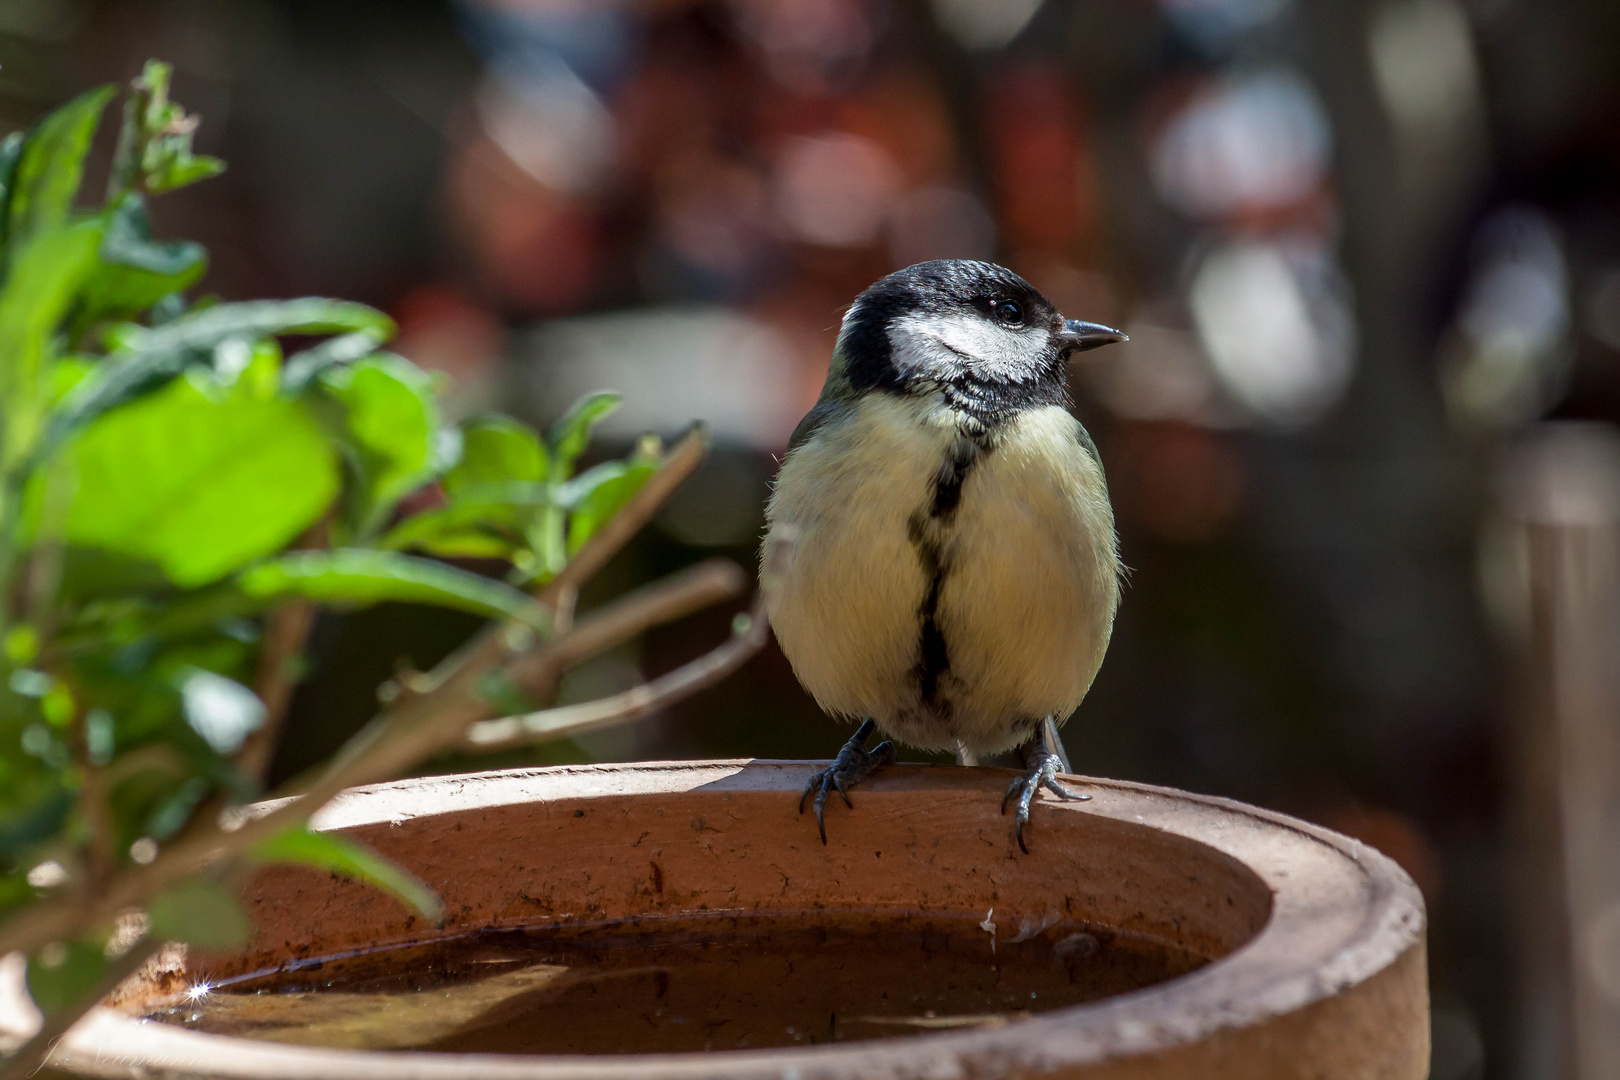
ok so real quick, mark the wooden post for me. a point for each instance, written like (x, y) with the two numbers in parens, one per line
(1557, 569)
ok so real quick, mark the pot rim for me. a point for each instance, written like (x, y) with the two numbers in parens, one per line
(1341, 914)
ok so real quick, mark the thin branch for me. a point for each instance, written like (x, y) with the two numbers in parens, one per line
(405, 740)
(428, 725)
(161, 756)
(43, 575)
(419, 726)
(749, 634)
(617, 531)
(374, 759)
(36, 926)
(568, 721)
(101, 859)
(563, 620)
(665, 600)
(94, 807)
(488, 647)
(417, 729)
(285, 632)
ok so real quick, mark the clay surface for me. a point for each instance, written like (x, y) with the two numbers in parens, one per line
(1316, 940)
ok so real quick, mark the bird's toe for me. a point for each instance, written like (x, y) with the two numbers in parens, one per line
(853, 764)
(1042, 773)
(1012, 790)
(1063, 792)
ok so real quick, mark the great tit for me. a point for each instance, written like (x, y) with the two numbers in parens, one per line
(948, 567)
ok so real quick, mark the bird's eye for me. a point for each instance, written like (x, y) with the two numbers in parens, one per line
(1008, 312)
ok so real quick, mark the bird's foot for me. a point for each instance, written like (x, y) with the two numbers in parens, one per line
(853, 764)
(1043, 766)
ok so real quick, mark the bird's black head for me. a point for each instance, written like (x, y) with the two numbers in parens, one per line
(954, 323)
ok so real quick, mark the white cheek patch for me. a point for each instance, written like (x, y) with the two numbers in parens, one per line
(944, 346)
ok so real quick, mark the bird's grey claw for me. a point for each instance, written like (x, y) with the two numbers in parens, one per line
(853, 764)
(1012, 789)
(1043, 768)
(1066, 792)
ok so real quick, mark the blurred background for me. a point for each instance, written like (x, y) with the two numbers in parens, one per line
(1368, 253)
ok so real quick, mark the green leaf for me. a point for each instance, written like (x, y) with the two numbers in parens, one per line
(136, 271)
(204, 329)
(361, 576)
(570, 435)
(199, 911)
(514, 494)
(484, 521)
(15, 892)
(599, 493)
(256, 370)
(65, 374)
(38, 820)
(453, 533)
(391, 424)
(172, 811)
(179, 167)
(63, 975)
(547, 538)
(197, 485)
(340, 855)
(46, 273)
(303, 367)
(154, 145)
(88, 573)
(52, 163)
(145, 356)
(129, 243)
(496, 450)
(10, 152)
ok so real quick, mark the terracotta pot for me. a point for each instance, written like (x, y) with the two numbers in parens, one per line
(1317, 941)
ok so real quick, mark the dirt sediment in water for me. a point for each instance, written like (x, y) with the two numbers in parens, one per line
(714, 983)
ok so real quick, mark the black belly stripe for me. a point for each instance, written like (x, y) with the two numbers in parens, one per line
(925, 533)
(959, 461)
(932, 658)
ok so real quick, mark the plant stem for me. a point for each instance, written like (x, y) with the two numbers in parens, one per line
(681, 463)
(10, 511)
(125, 173)
(418, 727)
(548, 725)
(101, 860)
(665, 600)
(613, 535)
(285, 632)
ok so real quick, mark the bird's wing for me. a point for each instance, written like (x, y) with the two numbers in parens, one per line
(814, 421)
(1080, 433)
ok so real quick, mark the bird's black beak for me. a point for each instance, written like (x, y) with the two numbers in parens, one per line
(1079, 336)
